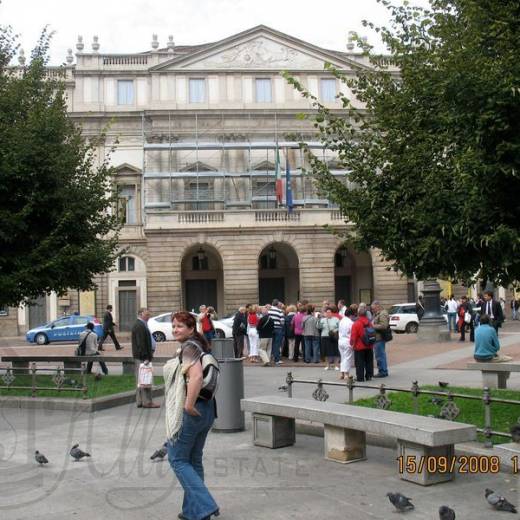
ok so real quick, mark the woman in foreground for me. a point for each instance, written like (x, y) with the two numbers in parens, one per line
(190, 412)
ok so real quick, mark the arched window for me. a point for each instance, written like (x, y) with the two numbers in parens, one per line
(126, 263)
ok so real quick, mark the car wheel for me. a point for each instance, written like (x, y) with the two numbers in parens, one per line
(220, 333)
(159, 336)
(41, 339)
(412, 327)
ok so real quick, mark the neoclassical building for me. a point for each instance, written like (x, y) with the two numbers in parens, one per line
(202, 132)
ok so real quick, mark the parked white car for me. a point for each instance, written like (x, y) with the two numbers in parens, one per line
(403, 318)
(161, 327)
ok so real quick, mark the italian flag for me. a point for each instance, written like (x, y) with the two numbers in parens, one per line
(278, 177)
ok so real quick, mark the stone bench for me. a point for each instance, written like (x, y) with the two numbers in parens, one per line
(494, 375)
(21, 362)
(419, 439)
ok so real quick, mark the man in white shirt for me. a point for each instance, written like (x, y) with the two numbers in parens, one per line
(451, 308)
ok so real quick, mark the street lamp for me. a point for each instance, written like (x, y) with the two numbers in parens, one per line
(272, 254)
(201, 255)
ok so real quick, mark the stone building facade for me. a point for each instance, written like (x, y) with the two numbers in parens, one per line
(202, 131)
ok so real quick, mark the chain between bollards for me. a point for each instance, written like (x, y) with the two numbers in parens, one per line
(486, 398)
(289, 381)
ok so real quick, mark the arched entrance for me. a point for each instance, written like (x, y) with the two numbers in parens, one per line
(202, 278)
(278, 274)
(353, 281)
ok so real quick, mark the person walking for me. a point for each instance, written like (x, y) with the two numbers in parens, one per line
(465, 313)
(328, 326)
(363, 351)
(276, 314)
(311, 336)
(252, 333)
(451, 309)
(239, 330)
(515, 305)
(381, 323)
(298, 333)
(493, 309)
(190, 413)
(142, 351)
(108, 329)
(345, 348)
(88, 346)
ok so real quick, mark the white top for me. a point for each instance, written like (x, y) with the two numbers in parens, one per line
(451, 306)
(345, 327)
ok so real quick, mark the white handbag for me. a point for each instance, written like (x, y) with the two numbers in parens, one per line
(467, 317)
(145, 379)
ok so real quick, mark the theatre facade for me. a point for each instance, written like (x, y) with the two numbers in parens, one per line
(206, 135)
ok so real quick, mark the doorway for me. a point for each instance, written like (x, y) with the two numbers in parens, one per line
(201, 292)
(127, 299)
(38, 312)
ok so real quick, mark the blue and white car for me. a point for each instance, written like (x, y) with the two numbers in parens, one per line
(66, 328)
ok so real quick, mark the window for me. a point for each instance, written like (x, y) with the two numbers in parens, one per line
(201, 193)
(263, 90)
(197, 90)
(126, 203)
(127, 283)
(199, 264)
(125, 92)
(328, 89)
(79, 320)
(126, 263)
(4, 311)
(264, 188)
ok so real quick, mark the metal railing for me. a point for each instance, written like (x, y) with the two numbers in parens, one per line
(449, 410)
(61, 383)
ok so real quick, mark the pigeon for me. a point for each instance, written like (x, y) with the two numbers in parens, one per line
(438, 401)
(40, 458)
(77, 454)
(400, 502)
(515, 432)
(498, 502)
(445, 513)
(160, 453)
(283, 388)
(443, 384)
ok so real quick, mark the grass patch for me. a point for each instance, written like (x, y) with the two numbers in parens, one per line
(107, 385)
(503, 416)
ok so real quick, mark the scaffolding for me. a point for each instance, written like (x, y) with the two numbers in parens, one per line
(216, 169)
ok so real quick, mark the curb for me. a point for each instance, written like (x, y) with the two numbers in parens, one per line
(74, 404)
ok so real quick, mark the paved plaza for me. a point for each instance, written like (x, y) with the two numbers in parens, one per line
(119, 480)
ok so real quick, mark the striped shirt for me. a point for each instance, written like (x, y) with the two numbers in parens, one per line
(277, 316)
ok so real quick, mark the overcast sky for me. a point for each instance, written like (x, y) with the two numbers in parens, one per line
(127, 25)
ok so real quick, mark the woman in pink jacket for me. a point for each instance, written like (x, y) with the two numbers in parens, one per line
(298, 332)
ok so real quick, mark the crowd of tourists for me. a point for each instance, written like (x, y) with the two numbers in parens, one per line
(344, 337)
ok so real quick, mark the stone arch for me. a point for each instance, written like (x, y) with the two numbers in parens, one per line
(278, 271)
(353, 275)
(202, 276)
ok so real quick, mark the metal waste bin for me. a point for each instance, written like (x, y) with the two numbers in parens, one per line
(230, 392)
(222, 348)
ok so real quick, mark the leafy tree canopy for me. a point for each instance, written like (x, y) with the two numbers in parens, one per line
(433, 151)
(56, 229)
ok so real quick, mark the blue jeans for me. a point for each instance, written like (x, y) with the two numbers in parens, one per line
(185, 457)
(311, 349)
(452, 321)
(209, 335)
(380, 353)
(278, 336)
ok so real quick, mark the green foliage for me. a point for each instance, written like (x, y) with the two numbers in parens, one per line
(503, 416)
(55, 193)
(433, 146)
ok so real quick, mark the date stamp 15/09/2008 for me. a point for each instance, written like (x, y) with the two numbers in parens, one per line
(463, 464)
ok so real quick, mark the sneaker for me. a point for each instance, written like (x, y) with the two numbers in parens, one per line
(326, 368)
(279, 363)
(336, 368)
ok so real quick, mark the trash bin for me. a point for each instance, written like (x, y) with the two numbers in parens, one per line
(230, 392)
(222, 348)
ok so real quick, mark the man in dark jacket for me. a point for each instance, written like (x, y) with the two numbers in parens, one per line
(493, 309)
(239, 331)
(265, 328)
(142, 351)
(108, 329)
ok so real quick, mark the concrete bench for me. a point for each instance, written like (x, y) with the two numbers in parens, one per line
(73, 362)
(421, 440)
(494, 375)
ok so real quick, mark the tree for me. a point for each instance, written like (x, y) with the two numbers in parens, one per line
(56, 229)
(433, 157)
